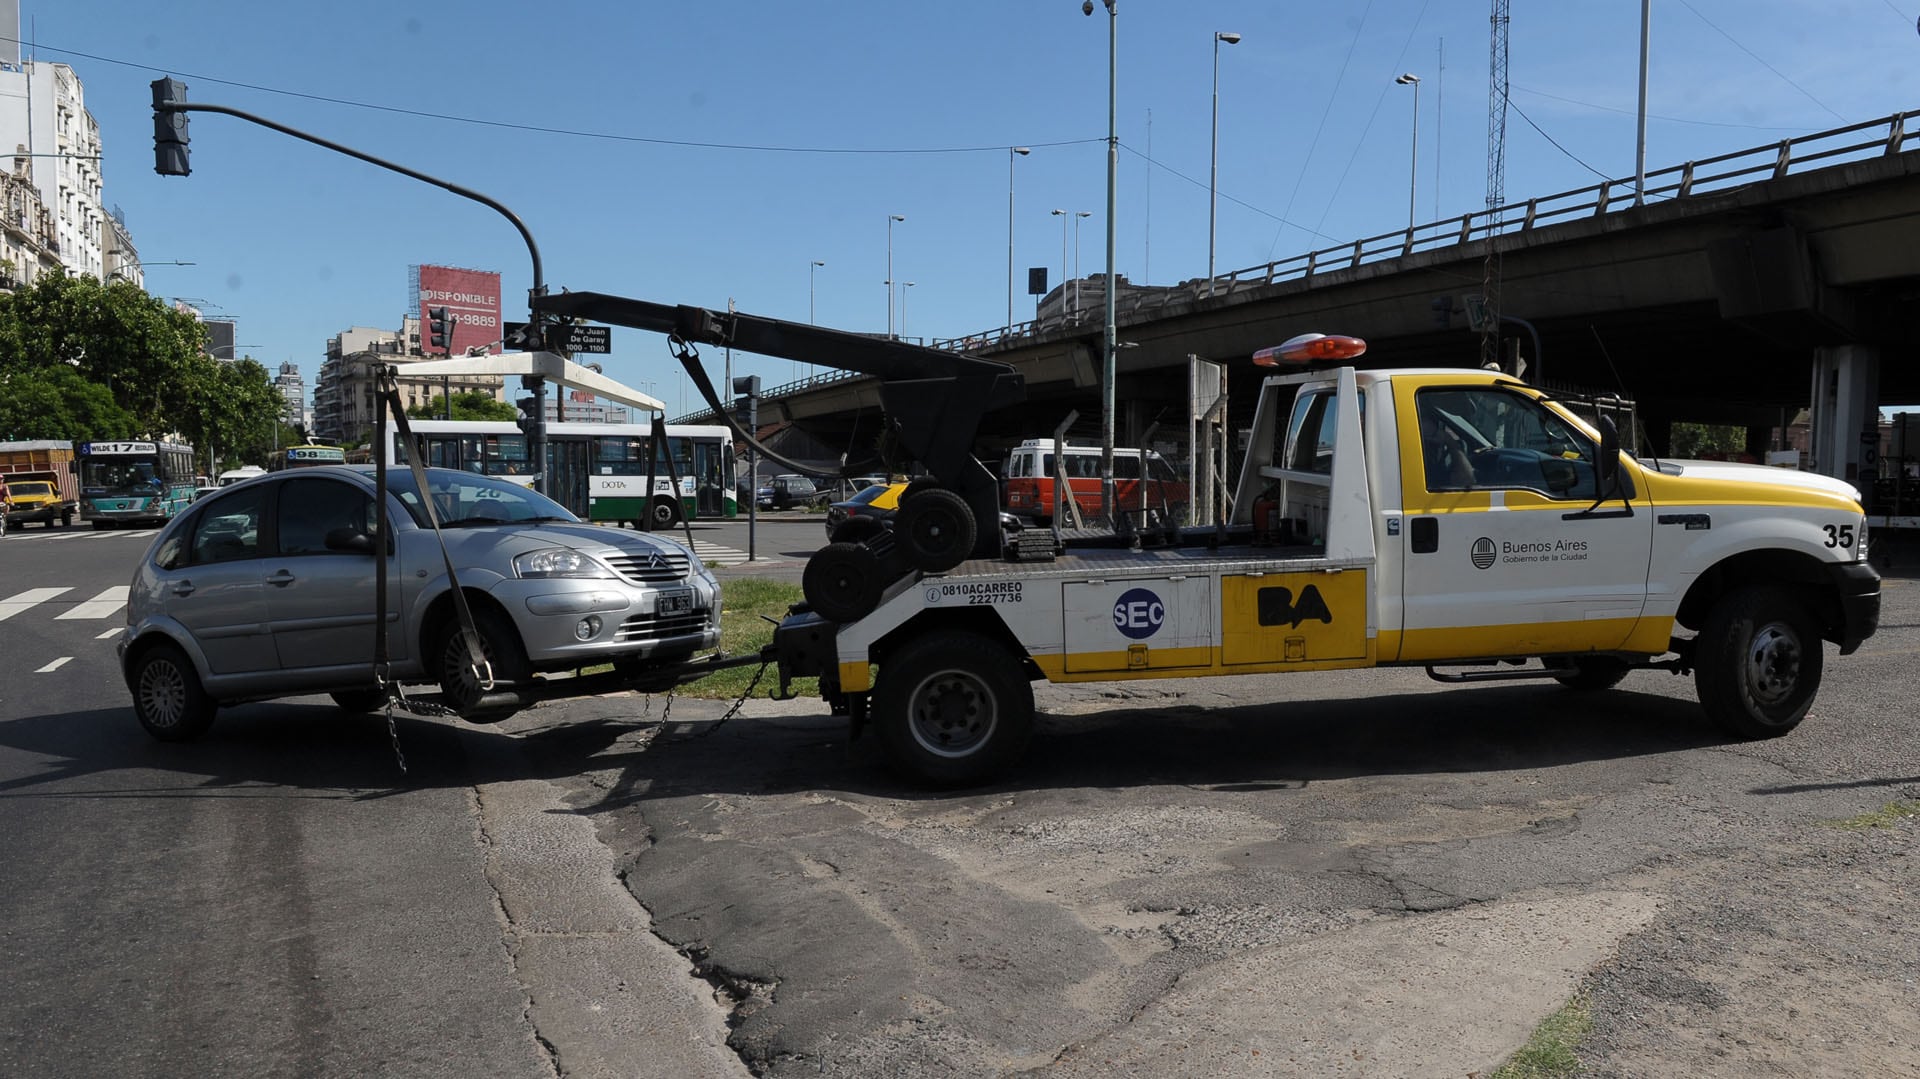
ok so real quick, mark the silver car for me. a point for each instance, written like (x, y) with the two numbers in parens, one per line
(266, 589)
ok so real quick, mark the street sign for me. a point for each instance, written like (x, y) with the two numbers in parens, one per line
(579, 338)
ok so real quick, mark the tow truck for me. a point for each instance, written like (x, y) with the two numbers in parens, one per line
(1457, 520)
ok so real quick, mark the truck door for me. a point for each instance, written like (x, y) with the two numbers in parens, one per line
(1500, 556)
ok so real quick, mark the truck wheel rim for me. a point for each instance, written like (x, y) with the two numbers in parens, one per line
(1773, 663)
(952, 714)
(163, 694)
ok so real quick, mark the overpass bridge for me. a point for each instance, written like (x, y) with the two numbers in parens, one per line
(1724, 296)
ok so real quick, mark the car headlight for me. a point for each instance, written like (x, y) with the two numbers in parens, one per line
(558, 562)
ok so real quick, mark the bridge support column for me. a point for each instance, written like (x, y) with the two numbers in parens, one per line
(1844, 435)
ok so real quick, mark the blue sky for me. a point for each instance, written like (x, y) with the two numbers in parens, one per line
(696, 153)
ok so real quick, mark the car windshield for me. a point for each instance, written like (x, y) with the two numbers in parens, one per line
(466, 499)
(867, 496)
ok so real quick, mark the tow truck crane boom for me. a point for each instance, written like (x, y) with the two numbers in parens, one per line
(934, 399)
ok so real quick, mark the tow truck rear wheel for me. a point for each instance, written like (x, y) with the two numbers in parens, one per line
(1589, 673)
(953, 708)
(842, 581)
(1757, 662)
(500, 644)
(936, 528)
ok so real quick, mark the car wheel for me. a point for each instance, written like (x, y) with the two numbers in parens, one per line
(168, 699)
(1589, 673)
(936, 528)
(953, 708)
(360, 700)
(499, 643)
(842, 582)
(1757, 662)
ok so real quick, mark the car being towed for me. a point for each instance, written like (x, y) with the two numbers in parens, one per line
(266, 590)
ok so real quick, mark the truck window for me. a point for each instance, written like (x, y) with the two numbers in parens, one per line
(1311, 433)
(1490, 438)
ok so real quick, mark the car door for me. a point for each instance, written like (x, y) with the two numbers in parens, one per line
(212, 583)
(1505, 551)
(320, 602)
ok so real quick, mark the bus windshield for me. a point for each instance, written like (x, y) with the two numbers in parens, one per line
(120, 475)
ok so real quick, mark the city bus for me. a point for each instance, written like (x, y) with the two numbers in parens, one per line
(309, 455)
(134, 482)
(1030, 470)
(596, 470)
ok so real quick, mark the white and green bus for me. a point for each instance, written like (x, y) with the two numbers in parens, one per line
(596, 470)
(134, 482)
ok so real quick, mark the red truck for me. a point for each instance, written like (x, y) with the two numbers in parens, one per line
(40, 480)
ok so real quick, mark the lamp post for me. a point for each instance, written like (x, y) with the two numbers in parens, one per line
(904, 286)
(1110, 352)
(811, 268)
(891, 218)
(1413, 165)
(1012, 152)
(1076, 260)
(1213, 174)
(1064, 217)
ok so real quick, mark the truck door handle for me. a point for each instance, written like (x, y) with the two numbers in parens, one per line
(183, 588)
(1424, 535)
(281, 578)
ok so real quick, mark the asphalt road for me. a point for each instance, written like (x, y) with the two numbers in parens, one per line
(1349, 874)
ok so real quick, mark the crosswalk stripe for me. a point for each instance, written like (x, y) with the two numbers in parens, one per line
(54, 666)
(100, 606)
(32, 597)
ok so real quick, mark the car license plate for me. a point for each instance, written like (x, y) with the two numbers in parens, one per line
(679, 601)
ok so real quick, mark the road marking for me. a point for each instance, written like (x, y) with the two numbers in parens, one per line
(100, 606)
(114, 632)
(712, 553)
(32, 597)
(54, 666)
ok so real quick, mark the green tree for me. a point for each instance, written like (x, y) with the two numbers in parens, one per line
(116, 336)
(1693, 439)
(467, 405)
(55, 402)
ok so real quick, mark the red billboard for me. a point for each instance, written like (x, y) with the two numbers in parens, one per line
(472, 300)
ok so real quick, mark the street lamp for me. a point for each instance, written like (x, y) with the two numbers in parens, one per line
(1413, 166)
(1108, 368)
(811, 268)
(891, 218)
(1012, 152)
(904, 286)
(1213, 176)
(1064, 217)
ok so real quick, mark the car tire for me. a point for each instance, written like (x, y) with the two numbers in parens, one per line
(1757, 662)
(842, 582)
(953, 708)
(499, 643)
(1589, 674)
(936, 529)
(168, 698)
(359, 701)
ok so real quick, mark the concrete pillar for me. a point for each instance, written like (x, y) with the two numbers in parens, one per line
(1845, 437)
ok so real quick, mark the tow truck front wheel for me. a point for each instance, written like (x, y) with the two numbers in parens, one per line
(1757, 662)
(953, 709)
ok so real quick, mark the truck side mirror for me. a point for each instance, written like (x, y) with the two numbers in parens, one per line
(1607, 468)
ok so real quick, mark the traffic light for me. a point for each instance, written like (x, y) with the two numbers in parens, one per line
(169, 129)
(440, 329)
(529, 411)
(746, 389)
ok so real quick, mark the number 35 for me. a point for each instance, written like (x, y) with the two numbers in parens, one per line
(1839, 535)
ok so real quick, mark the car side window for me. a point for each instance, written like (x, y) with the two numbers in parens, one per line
(230, 532)
(311, 507)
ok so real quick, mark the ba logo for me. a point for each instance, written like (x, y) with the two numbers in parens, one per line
(1483, 553)
(1138, 613)
(1278, 608)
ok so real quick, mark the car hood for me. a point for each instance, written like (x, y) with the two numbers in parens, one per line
(1705, 473)
(514, 539)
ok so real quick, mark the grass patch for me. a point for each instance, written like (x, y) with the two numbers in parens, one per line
(1887, 816)
(745, 605)
(1548, 1054)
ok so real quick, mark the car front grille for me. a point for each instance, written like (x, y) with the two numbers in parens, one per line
(646, 627)
(644, 568)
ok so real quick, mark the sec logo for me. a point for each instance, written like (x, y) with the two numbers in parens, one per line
(1138, 613)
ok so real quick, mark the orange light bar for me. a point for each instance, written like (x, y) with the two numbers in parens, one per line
(1310, 348)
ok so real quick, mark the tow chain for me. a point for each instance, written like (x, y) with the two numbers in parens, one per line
(732, 710)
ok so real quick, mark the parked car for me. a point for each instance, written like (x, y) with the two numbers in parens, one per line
(878, 500)
(265, 589)
(787, 492)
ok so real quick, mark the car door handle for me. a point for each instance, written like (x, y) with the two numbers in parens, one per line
(183, 588)
(282, 578)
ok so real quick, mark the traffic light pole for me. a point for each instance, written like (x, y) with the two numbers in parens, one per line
(170, 107)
